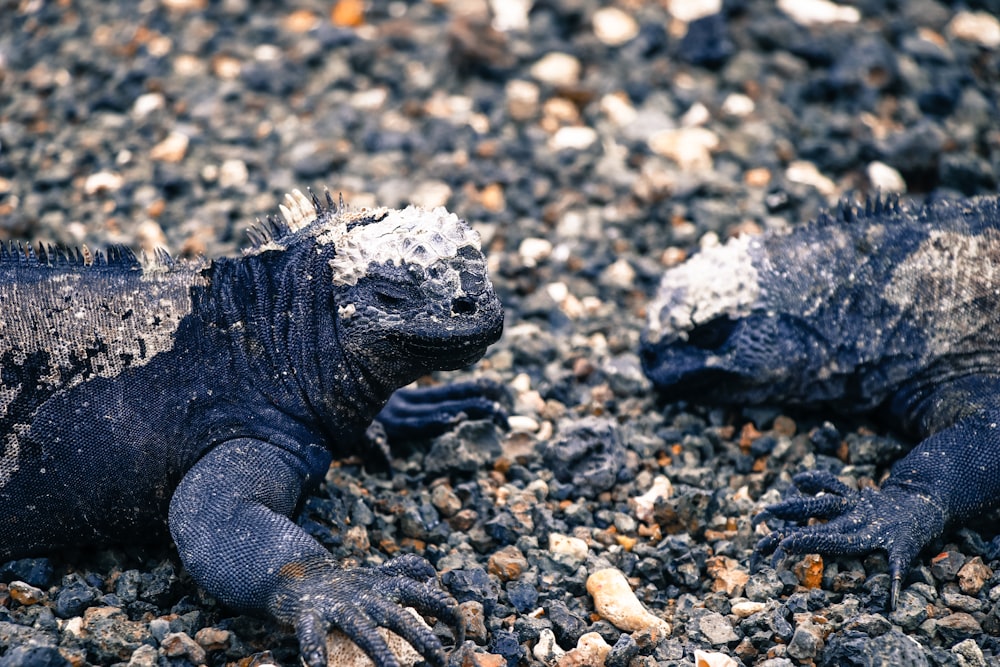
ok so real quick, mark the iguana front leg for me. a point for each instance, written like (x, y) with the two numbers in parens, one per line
(951, 476)
(230, 520)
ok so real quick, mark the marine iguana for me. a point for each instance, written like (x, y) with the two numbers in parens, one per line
(206, 398)
(891, 309)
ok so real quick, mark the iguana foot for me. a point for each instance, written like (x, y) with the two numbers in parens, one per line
(358, 601)
(428, 411)
(895, 519)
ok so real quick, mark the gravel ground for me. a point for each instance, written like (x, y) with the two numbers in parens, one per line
(592, 146)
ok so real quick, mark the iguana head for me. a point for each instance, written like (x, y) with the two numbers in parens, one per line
(741, 322)
(408, 286)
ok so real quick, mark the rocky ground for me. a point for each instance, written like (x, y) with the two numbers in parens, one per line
(592, 145)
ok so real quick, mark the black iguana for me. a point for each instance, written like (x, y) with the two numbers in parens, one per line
(889, 308)
(206, 398)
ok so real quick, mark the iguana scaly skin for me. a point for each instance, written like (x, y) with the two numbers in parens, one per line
(206, 399)
(888, 309)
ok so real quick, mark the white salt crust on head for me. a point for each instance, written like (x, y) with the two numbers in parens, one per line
(413, 235)
(719, 280)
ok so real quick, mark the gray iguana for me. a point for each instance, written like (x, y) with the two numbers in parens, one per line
(205, 399)
(891, 309)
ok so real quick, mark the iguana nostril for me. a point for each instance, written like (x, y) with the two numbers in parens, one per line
(463, 306)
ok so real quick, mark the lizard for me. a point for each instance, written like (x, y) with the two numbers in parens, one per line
(201, 399)
(888, 309)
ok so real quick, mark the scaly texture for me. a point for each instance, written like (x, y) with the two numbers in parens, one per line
(888, 308)
(206, 399)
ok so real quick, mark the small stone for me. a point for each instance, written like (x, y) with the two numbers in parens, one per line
(102, 181)
(713, 659)
(973, 576)
(445, 500)
(958, 626)
(818, 12)
(342, 652)
(26, 594)
(557, 69)
(547, 650)
(301, 21)
(614, 27)
(690, 147)
(805, 644)
(180, 645)
(618, 108)
(522, 99)
(809, 570)
(946, 565)
(148, 103)
(213, 639)
(979, 27)
(884, 178)
(431, 194)
(508, 563)
(806, 173)
(716, 629)
(522, 424)
(729, 579)
(591, 649)
(645, 504)
(615, 602)
(184, 5)
(747, 608)
(573, 138)
(619, 274)
(569, 546)
(171, 149)
(533, 250)
(144, 656)
(348, 13)
(692, 10)
(233, 173)
(968, 651)
(738, 105)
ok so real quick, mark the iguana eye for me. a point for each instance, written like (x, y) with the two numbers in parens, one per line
(712, 334)
(393, 295)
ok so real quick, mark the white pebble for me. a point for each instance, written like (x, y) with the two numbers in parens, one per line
(801, 171)
(618, 109)
(557, 69)
(978, 27)
(171, 149)
(522, 99)
(644, 504)
(102, 181)
(884, 178)
(818, 12)
(614, 27)
(591, 649)
(738, 105)
(511, 14)
(573, 138)
(615, 601)
(546, 650)
(233, 173)
(431, 194)
(147, 104)
(690, 147)
(522, 424)
(692, 10)
(713, 659)
(568, 545)
(533, 250)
